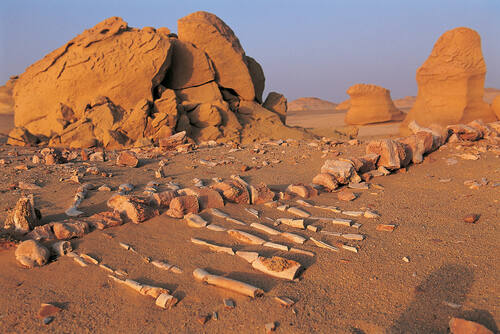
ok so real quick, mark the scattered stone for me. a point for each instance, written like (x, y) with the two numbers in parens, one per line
(393, 154)
(182, 205)
(341, 170)
(261, 194)
(301, 190)
(386, 227)
(30, 253)
(69, 229)
(284, 301)
(24, 215)
(346, 195)
(233, 191)
(270, 327)
(471, 218)
(132, 208)
(127, 159)
(229, 304)
(106, 219)
(326, 180)
(462, 326)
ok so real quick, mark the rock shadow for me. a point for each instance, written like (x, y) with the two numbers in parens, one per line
(430, 311)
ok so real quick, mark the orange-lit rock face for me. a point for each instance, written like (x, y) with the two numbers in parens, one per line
(451, 82)
(110, 59)
(212, 35)
(370, 104)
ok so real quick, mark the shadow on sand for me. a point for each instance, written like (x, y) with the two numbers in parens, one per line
(437, 299)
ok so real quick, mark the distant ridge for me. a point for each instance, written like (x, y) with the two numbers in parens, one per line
(310, 104)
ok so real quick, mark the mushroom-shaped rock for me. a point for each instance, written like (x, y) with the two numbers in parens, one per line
(30, 253)
(451, 82)
(211, 35)
(371, 104)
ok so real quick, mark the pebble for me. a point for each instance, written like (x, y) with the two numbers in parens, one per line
(229, 304)
(471, 219)
(270, 327)
(406, 259)
(48, 320)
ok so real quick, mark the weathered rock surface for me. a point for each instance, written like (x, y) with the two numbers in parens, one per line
(23, 217)
(233, 191)
(30, 253)
(451, 82)
(69, 229)
(258, 78)
(371, 104)
(110, 59)
(190, 67)
(210, 34)
(277, 103)
(182, 205)
(393, 154)
(132, 208)
(326, 180)
(341, 170)
(261, 194)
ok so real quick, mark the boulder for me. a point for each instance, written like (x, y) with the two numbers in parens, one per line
(127, 159)
(451, 82)
(393, 154)
(20, 136)
(371, 104)
(103, 220)
(23, 217)
(190, 66)
(207, 198)
(465, 132)
(69, 229)
(326, 180)
(261, 194)
(277, 103)
(182, 205)
(171, 142)
(301, 190)
(211, 35)
(418, 144)
(233, 191)
(132, 208)
(30, 253)
(206, 93)
(341, 170)
(462, 326)
(495, 106)
(110, 59)
(204, 115)
(162, 200)
(258, 78)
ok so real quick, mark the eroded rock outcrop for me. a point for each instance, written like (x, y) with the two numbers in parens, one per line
(115, 86)
(451, 82)
(371, 104)
(495, 106)
(6, 100)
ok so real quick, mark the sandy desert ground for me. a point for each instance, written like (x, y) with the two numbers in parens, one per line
(452, 268)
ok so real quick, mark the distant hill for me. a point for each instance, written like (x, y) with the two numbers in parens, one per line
(6, 100)
(490, 94)
(405, 103)
(310, 104)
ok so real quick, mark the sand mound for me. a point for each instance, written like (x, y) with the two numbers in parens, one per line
(114, 85)
(451, 82)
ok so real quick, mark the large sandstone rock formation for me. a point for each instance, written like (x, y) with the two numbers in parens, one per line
(451, 82)
(213, 36)
(371, 104)
(114, 85)
(277, 103)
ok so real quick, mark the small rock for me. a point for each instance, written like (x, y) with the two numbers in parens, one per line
(47, 310)
(229, 304)
(270, 327)
(346, 195)
(406, 259)
(30, 253)
(48, 320)
(24, 215)
(127, 159)
(462, 326)
(202, 319)
(97, 156)
(471, 219)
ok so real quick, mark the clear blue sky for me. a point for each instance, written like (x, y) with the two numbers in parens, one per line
(307, 48)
